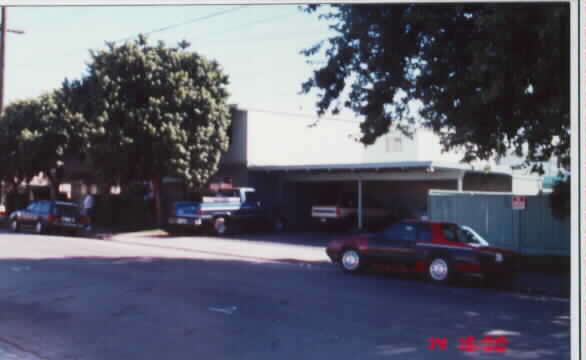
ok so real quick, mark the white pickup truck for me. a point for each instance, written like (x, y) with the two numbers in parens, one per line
(341, 212)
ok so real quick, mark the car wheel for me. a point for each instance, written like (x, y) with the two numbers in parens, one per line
(439, 270)
(351, 261)
(39, 228)
(220, 226)
(15, 226)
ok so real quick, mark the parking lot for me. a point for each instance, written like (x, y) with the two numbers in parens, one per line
(258, 296)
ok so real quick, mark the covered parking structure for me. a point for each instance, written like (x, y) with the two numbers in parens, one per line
(396, 184)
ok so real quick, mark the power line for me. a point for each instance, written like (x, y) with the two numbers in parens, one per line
(201, 18)
(165, 28)
(252, 23)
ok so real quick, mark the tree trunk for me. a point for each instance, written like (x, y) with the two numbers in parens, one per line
(27, 190)
(54, 190)
(158, 206)
(53, 185)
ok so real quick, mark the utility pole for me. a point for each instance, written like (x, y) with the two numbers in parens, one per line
(3, 53)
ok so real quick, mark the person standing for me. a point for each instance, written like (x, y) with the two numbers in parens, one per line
(88, 209)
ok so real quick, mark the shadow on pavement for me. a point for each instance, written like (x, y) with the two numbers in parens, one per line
(153, 308)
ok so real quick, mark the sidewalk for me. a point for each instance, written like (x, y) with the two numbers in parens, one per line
(543, 284)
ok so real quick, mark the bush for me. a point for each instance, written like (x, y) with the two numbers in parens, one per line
(121, 211)
(560, 200)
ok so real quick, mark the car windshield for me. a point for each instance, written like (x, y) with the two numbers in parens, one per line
(67, 210)
(472, 237)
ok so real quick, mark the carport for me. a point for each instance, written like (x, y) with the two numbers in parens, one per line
(460, 177)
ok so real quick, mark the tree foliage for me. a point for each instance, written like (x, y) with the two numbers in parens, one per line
(489, 77)
(15, 141)
(37, 136)
(559, 200)
(154, 111)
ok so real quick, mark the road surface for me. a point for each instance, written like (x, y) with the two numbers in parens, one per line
(153, 298)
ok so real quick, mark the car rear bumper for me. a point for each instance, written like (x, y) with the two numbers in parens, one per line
(486, 269)
(329, 219)
(185, 223)
(64, 226)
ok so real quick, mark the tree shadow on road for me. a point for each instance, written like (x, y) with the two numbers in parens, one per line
(178, 308)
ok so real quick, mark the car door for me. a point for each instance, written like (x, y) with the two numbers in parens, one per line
(28, 215)
(250, 208)
(396, 244)
(42, 211)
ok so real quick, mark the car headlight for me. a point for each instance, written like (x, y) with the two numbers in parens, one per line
(499, 257)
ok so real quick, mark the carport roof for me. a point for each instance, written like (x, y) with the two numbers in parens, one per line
(400, 165)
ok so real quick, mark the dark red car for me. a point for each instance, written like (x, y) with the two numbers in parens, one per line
(441, 251)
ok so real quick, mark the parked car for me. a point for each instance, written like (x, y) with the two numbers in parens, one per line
(439, 250)
(223, 213)
(341, 211)
(46, 216)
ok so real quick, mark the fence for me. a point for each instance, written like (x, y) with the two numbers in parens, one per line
(531, 231)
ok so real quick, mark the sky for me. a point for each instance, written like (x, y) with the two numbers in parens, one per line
(258, 46)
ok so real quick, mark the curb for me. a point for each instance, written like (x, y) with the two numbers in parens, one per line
(515, 289)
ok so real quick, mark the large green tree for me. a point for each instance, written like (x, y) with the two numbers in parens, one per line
(37, 136)
(154, 111)
(490, 78)
(15, 142)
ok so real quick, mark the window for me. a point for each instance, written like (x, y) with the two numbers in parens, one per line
(32, 206)
(66, 210)
(228, 193)
(450, 232)
(43, 207)
(397, 145)
(393, 144)
(424, 232)
(401, 232)
(251, 197)
(471, 237)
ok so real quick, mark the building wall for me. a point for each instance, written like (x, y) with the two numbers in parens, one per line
(550, 167)
(527, 185)
(392, 147)
(430, 149)
(238, 151)
(281, 139)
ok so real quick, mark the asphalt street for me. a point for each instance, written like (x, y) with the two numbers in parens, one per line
(157, 297)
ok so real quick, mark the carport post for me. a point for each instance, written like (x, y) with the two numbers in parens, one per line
(359, 204)
(461, 181)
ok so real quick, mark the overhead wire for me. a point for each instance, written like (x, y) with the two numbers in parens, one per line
(250, 24)
(172, 26)
(188, 22)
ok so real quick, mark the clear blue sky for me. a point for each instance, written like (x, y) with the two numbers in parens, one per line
(258, 46)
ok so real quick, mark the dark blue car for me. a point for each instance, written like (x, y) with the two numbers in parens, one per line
(45, 216)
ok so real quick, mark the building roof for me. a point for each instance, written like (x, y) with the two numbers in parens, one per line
(402, 165)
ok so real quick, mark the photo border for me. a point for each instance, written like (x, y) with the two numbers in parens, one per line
(577, 119)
